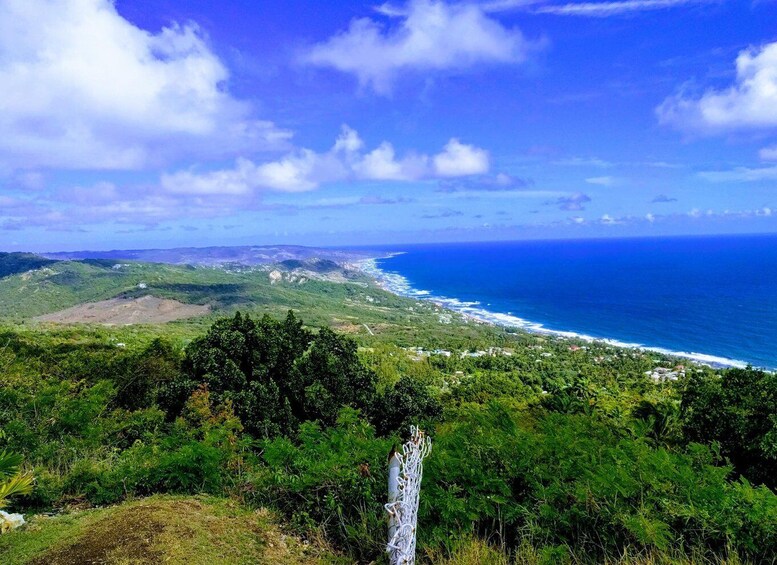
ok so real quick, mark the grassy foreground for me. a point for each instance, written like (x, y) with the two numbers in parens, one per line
(160, 529)
(207, 530)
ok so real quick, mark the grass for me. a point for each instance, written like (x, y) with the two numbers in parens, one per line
(161, 529)
(478, 552)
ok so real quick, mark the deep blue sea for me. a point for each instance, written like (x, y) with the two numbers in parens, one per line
(714, 296)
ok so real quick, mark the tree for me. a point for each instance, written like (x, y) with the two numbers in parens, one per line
(145, 373)
(739, 411)
(406, 403)
(276, 374)
(331, 376)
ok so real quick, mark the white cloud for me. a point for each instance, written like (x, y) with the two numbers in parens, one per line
(601, 181)
(306, 170)
(85, 88)
(459, 159)
(573, 202)
(431, 35)
(750, 103)
(741, 174)
(768, 153)
(381, 164)
(608, 220)
(584, 162)
(606, 9)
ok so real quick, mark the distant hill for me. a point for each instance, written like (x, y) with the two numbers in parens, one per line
(13, 263)
(215, 256)
(314, 265)
(118, 291)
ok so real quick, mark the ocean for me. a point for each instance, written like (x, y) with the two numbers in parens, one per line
(709, 298)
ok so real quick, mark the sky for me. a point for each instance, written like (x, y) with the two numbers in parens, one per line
(164, 123)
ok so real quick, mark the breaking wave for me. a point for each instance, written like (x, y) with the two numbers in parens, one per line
(400, 285)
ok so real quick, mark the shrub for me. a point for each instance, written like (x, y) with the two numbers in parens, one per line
(13, 481)
(276, 374)
(332, 479)
(571, 480)
(739, 411)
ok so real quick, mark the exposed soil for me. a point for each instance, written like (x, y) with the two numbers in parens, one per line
(176, 531)
(128, 533)
(125, 311)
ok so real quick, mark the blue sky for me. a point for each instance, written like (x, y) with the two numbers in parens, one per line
(160, 123)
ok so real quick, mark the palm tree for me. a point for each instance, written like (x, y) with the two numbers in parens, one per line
(13, 481)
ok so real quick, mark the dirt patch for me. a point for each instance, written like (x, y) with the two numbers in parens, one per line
(127, 534)
(347, 327)
(172, 531)
(125, 311)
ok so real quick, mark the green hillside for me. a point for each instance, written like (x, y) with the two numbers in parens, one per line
(12, 263)
(347, 306)
(546, 450)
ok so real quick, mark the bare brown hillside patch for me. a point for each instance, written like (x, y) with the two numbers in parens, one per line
(125, 536)
(125, 311)
(175, 531)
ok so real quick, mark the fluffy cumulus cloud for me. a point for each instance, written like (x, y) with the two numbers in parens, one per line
(218, 193)
(749, 103)
(306, 169)
(425, 35)
(458, 159)
(85, 88)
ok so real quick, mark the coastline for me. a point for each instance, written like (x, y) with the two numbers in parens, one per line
(400, 285)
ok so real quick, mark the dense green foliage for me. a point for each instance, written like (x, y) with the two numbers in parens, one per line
(739, 411)
(12, 263)
(560, 479)
(277, 375)
(569, 450)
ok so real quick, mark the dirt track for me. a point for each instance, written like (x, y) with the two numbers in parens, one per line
(121, 311)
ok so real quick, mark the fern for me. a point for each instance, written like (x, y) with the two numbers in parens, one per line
(13, 482)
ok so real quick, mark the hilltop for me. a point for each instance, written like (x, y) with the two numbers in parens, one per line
(162, 529)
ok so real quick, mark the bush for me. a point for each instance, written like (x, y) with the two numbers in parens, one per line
(407, 403)
(570, 480)
(333, 479)
(739, 411)
(276, 374)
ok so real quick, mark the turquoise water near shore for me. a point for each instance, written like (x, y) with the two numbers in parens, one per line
(710, 298)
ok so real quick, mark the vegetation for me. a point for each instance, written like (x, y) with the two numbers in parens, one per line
(738, 410)
(545, 450)
(13, 482)
(357, 307)
(161, 529)
(12, 263)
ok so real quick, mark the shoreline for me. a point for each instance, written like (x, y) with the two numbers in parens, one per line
(399, 285)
